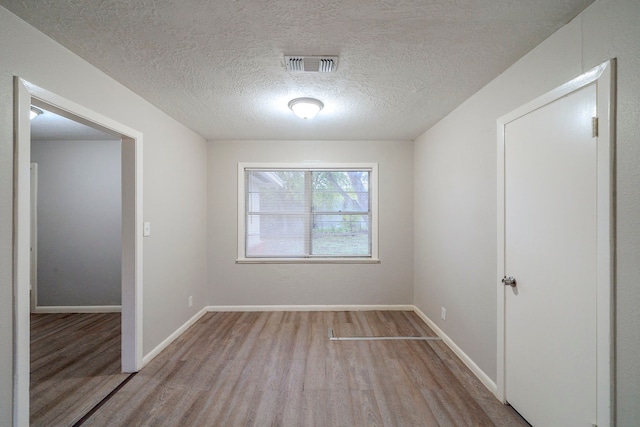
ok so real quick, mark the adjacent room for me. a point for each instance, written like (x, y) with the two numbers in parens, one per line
(337, 213)
(75, 268)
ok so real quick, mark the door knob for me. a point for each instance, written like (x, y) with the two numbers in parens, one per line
(509, 281)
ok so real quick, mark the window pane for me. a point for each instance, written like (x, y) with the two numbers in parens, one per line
(341, 235)
(275, 213)
(275, 191)
(275, 235)
(340, 191)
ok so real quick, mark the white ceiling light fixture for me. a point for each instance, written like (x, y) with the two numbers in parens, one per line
(35, 112)
(306, 108)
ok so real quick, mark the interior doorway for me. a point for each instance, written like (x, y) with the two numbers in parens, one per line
(75, 356)
(551, 247)
(76, 216)
(27, 94)
(555, 254)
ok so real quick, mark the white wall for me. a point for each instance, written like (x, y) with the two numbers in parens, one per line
(79, 222)
(174, 185)
(390, 282)
(455, 191)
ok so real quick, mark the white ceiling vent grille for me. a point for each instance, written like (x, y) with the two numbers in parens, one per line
(311, 64)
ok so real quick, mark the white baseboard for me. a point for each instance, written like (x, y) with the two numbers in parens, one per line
(78, 309)
(310, 307)
(484, 378)
(164, 344)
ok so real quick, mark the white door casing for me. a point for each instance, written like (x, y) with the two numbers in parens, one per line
(555, 232)
(34, 237)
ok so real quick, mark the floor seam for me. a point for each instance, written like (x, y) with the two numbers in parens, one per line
(113, 392)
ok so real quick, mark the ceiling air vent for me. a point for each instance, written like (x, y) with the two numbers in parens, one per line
(311, 64)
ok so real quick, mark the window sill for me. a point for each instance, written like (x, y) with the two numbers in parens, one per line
(307, 261)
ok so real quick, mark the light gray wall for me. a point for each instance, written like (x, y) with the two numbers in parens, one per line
(174, 194)
(390, 282)
(455, 191)
(79, 222)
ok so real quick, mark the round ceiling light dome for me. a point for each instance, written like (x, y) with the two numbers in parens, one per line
(35, 112)
(306, 108)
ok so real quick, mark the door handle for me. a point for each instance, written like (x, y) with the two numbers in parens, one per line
(509, 281)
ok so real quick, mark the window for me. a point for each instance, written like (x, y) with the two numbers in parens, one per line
(298, 213)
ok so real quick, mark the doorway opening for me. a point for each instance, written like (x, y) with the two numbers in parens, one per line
(76, 210)
(26, 95)
(76, 268)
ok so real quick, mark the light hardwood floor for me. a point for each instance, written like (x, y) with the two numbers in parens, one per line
(280, 369)
(75, 363)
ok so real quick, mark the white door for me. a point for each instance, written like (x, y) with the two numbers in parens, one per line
(551, 251)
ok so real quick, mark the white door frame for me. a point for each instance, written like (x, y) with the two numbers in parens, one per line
(26, 94)
(604, 75)
(33, 280)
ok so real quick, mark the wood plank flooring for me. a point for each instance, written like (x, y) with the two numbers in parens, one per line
(75, 363)
(280, 369)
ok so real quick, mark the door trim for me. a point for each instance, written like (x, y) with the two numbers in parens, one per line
(604, 75)
(34, 238)
(25, 94)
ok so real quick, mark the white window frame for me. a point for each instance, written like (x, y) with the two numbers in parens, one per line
(373, 194)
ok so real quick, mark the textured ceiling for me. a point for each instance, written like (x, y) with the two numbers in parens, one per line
(218, 65)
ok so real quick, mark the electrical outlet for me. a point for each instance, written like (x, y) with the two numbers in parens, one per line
(443, 313)
(190, 301)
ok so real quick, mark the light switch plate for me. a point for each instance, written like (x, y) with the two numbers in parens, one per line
(146, 229)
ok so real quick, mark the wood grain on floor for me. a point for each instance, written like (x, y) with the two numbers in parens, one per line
(75, 363)
(280, 369)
